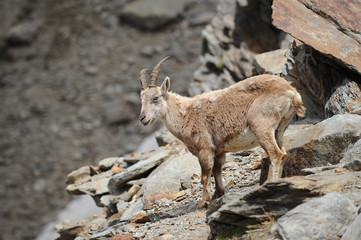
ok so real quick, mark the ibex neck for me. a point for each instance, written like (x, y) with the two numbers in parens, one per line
(176, 114)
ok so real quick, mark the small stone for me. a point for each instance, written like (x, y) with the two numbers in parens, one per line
(179, 196)
(340, 171)
(126, 236)
(78, 174)
(139, 234)
(91, 70)
(131, 192)
(257, 165)
(230, 165)
(116, 170)
(201, 215)
(108, 163)
(230, 183)
(165, 237)
(141, 217)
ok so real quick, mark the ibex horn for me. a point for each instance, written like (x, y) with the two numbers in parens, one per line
(143, 80)
(155, 73)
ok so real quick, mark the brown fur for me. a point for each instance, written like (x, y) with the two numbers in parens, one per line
(251, 112)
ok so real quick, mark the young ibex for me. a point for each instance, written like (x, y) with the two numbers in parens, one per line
(247, 114)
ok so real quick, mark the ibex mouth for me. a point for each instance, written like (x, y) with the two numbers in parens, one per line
(146, 123)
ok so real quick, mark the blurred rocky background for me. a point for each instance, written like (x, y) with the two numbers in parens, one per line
(69, 88)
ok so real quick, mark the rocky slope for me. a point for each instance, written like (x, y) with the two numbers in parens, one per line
(153, 196)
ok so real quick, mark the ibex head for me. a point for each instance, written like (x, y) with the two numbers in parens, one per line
(154, 105)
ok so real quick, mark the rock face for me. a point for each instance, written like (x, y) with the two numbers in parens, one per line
(345, 99)
(322, 144)
(230, 42)
(322, 218)
(336, 35)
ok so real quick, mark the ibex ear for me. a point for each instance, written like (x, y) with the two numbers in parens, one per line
(165, 85)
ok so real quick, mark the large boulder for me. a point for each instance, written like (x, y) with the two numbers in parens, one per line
(322, 144)
(274, 199)
(322, 218)
(169, 178)
(333, 31)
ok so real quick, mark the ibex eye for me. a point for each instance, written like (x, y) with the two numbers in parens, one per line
(155, 99)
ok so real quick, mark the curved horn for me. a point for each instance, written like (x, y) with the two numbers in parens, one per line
(155, 73)
(143, 80)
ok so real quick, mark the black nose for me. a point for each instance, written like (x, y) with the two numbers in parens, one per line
(141, 118)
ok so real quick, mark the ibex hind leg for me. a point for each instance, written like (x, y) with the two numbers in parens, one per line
(281, 129)
(266, 136)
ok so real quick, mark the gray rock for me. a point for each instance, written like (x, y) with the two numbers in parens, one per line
(169, 178)
(95, 185)
(78, 174)
(321, 218)
(354, 230)
(70, 228)
(133, 209)
(354, 152)
(108, 163)
(119, 180)
(155, 215)
(273, 198)
(152, 15)
(345, 99)
(122, 205)
(270, 62)
(352, 157)
(23, 33)
(322, 144)
(164, 137)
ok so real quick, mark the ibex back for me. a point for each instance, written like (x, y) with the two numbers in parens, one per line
(249, 113)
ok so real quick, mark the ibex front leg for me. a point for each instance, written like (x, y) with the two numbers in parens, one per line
(206, 160)
(217, 174)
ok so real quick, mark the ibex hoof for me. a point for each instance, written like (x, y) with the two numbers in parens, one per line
(202, 204)
(217, 195)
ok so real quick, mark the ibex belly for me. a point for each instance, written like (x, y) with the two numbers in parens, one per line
(243, 141)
